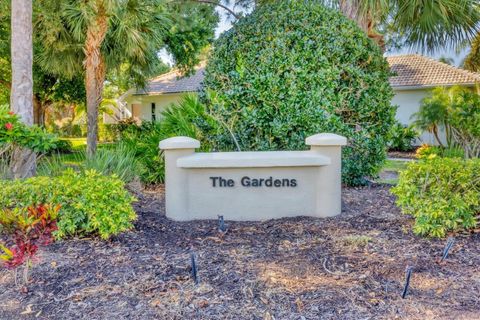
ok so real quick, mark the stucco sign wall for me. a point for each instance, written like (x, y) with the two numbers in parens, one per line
(253, 185)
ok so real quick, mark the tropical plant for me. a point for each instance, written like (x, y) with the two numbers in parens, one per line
(294, 69)
(189, 117)
(402, 137)
(457, 111)
(91, 202)
(28, 229)
(95, 36)
(442, 194)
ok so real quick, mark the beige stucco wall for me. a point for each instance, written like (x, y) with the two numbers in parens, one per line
(161, 103)
(408, 103)
(301, 183)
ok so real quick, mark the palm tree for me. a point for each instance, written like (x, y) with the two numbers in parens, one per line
(92, 37)
(23, 160)
(89, 37)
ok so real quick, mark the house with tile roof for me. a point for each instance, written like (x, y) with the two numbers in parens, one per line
(414, 77)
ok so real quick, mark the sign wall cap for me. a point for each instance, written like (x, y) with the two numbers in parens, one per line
(179, 143)
(326, 139)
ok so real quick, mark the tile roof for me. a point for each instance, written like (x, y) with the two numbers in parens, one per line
(171, 82)
(414, 70)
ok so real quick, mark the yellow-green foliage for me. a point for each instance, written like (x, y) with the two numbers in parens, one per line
(91, 202)
(443, 194)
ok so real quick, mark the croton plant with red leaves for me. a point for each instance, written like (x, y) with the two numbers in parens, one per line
(28, 229)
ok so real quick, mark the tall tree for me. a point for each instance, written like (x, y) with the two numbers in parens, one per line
(424, 24)
(91, 37)
(23, 162)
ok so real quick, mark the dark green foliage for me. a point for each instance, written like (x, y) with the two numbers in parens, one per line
(293, 69)
(91, 202)
(402, 137)
(62, 146)
(190, 118)
(143, 141)
(442, 194)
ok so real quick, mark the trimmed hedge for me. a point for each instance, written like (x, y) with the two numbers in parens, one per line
(295, 68)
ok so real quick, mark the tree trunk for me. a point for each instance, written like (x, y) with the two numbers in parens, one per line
(21, 97)
(38, 111)
(94, 75)
(352, 10)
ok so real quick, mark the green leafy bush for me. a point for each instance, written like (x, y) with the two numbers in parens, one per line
(16, 136)
(295, 68)
(91, 202)
(402, 138)
(442, 194)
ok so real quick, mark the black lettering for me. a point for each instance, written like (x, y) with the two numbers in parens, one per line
(285, 183)
(277, 183)
(231, 183)
(293, 183)
(254, 182)
(245, 181)
(214, 180)
(269, 182)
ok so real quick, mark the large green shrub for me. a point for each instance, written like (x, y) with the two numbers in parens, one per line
(91, 202)
(442, 194)
(295, 68)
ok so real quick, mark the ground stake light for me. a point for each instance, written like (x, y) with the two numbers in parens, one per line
(194, 267)
(449, 245)
(409, 271)
(221, 224)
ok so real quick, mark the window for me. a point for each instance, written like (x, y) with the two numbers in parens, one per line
(154, 116)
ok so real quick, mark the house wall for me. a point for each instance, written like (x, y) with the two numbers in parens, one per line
(408, 103)
(161, 103)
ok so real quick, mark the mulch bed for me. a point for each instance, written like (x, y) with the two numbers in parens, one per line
(402, 155)
(347, 267)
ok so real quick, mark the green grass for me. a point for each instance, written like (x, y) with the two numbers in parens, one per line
(77, 143)
(394, 165)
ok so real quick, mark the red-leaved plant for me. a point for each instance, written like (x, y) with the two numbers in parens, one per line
(28, 229)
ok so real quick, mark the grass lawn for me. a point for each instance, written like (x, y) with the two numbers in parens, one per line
(390, 171)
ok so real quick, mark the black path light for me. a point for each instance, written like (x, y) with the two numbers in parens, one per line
(447, 248)
(194, 267)
(221, 224)
(408, 275)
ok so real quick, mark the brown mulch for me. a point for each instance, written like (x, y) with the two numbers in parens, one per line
(409, 155)
(348, 267)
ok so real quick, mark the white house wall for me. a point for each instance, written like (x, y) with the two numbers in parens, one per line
(408, 103)
(161, 103)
